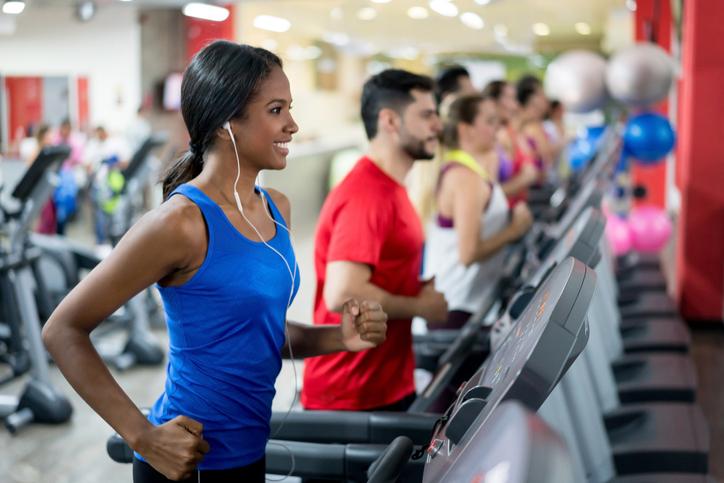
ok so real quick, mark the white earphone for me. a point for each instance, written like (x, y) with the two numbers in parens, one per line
(292, 275)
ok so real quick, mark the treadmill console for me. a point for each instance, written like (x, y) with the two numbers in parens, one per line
(548, 335)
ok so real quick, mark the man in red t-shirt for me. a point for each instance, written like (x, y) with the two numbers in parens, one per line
(369, 246)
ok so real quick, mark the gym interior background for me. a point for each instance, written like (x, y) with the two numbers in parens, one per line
(111, 71)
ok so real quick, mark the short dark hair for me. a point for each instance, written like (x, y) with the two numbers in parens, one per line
(526, 87)
(449, 81)
(390, 89)
(495, 89)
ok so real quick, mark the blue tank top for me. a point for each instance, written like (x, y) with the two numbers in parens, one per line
(226, 331)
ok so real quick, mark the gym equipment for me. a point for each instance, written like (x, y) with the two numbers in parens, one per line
(648, 137)
(640, 75)
(63, 261)
(650, 228)
(39, 402)
(578, 79)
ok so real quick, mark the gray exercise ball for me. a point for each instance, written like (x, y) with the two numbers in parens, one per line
(577, 79)
(640, 75)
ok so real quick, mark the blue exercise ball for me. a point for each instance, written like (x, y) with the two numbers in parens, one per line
(648, 137)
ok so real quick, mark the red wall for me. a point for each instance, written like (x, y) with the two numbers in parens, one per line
(25, 103)
(199, 32)
(653, 23)
(700, 127)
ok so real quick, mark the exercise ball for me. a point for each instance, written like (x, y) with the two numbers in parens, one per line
(618, 234)
(578, 80)
(584, 147)
(650, 228)
(640, 75)
(648, 137)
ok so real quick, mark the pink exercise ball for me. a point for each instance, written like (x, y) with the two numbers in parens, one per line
(650, 228)
(618, 234)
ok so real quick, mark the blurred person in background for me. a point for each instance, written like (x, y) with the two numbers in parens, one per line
(534, 108)
(466, 240)
(516, 170)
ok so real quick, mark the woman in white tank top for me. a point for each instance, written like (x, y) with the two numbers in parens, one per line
(473, 223)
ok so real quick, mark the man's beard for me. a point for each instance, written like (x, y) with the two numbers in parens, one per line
(415, 148)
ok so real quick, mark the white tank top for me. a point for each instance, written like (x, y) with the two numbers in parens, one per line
(466, 289)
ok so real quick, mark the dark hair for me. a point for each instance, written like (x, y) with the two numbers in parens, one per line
(526, 87)
(217, 86)
(41, 131)
(389, 89)
(449, 81)
(464, 109)
(553, 105)
(495, 89)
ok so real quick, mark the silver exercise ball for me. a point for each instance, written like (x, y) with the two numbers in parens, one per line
(577, 79)
(640, 75)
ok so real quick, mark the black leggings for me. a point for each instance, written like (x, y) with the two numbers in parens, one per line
(252, 473)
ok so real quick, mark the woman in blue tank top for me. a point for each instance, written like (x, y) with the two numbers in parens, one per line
(220, 252)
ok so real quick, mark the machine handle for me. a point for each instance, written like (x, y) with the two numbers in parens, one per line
(388, 466)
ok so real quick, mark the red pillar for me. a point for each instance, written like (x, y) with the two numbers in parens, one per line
(653, 24)
(700, 126)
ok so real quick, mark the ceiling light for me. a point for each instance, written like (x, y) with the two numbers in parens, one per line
(482, 2)
(13, 7)
(366, 13)
(583, 28)
(381, 1)
(444, 8)
(272, 23)
(206, 12)
(500, 30)
(541, 29)
(417, 13)
(472, 20)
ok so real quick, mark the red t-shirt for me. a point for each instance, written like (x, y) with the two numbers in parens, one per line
(367, 219)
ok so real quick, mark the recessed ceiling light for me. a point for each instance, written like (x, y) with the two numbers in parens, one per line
(583, 28)
(272, 23)
(444, 8)
(13, 7)
(482, 2)
(472, 20)
(366, 13)
(541, 29)
(417, 13)
(206, 12)
(381, 1)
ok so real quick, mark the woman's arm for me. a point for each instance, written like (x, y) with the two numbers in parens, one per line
(470, 197)
(364, 326)
(162, 242)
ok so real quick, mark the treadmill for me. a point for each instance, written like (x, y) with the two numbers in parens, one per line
(549, 335)
(513, 445)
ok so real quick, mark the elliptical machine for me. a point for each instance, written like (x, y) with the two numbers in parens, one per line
(40, 401)
(63, 261)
